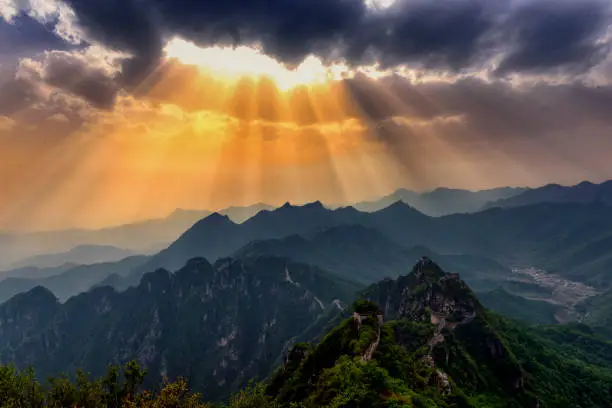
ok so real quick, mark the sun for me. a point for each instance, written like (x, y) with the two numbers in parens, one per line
(237, 62)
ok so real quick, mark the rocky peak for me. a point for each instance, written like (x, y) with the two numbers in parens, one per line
(436, 294)
(426, 289)
(427, 271)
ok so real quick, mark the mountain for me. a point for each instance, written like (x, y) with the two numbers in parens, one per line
(442, 201)
(365, 255)
(80, 255)
(219, 325)
(570, 240)
(533, 235)
(431, 343)
(140, 237)
(32, 272)
(69, 282)
(217, 236)
(422, 340)
(584, 192)
(538, 234)
(241, 214)
(403, 195)
(354, 252)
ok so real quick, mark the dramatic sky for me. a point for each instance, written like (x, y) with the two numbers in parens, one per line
(116, 110)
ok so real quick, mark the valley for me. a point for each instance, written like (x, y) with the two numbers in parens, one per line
(562, 291)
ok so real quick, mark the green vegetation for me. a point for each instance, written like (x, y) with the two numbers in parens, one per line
(115, 389)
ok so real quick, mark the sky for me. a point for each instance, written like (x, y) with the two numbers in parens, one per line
(119, 110)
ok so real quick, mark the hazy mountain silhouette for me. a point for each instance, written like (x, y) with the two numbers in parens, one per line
(241, 214)
(537, 234)
(584, 192)
(80, 255)
(150, 236)
(442, 201)
(70, 282)
(366, 255)
(217, 236)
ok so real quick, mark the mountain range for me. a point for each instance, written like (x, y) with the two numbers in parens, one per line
(532, 235)
(68, 280)
(585, 192)
(218, 324)
(153, 235)
(79, 255)
(365, 255)
(447, 201)
(568, 239)
(144, 237)
(442, 201)
(420, 340)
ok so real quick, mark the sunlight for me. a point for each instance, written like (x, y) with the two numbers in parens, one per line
(234, 63)
(380, 4)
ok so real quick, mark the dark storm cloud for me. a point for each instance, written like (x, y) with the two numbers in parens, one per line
(446, 34)
(549, 34)
(527, 36)
(124, 25)
(437, 34)
(74, 74)
(288, 29)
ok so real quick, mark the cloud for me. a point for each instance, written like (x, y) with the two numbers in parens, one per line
(556, 34)
(447, 35)
(81, 76)
(17, 93)
(54, 16)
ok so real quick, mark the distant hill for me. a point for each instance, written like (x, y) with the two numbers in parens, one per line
(217, 236)
(70, 282)
(366, 255)
(584, 192)
(531, 235)
(241, 214)
(484, 243)
(145, 237)
(141, 237)
(442, 201)
(80, 255)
